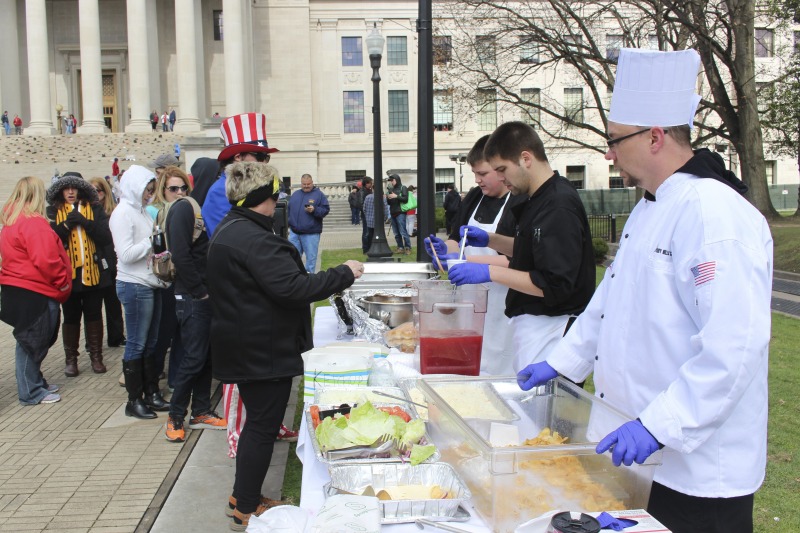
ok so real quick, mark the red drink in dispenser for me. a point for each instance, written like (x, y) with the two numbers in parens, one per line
(450, 327)
(451, 352)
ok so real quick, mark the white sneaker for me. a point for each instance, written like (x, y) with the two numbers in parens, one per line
(51, 398)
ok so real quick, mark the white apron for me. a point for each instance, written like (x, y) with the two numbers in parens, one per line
(497, 354)
(535, 336)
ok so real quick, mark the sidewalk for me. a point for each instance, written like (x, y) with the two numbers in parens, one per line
(79, 465)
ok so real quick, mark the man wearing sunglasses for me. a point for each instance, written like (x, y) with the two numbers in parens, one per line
(245, 138)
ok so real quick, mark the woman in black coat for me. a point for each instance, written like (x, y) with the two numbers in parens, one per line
(261, 320)
(77, 217)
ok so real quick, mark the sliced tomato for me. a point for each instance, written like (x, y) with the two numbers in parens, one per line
(315, 415)
(402, 414)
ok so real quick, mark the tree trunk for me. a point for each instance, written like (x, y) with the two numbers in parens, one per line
(797, 212)
(749, 143)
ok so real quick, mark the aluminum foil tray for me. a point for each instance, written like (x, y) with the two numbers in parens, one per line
(335, 395)
(354, 478)
(391, 457)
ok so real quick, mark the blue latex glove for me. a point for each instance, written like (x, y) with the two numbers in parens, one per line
(535, 374)
(469, 274)
(443, 259)
(617, 524)
(435, 243)
(630, 442)
(475, 236)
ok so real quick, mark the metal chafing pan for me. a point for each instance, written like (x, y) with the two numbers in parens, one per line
(354, 478)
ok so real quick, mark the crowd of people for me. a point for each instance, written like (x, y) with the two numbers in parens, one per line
(676, 334)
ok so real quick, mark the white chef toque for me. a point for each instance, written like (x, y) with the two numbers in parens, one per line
(655, 88)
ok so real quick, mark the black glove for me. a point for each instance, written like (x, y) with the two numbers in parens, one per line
(75, 218)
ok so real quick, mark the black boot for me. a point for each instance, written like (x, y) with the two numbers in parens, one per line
(152, 394)
(135, 407)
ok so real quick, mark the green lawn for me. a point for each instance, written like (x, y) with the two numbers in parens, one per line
(777, 502)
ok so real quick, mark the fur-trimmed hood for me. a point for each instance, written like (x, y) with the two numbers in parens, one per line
(86, 191)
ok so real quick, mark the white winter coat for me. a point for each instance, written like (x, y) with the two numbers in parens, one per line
(131, 228)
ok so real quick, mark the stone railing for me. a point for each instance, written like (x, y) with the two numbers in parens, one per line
(334, 191)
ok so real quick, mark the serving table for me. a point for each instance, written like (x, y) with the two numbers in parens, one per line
(315, 473)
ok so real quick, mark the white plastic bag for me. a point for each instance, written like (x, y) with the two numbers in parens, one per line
(280, 519)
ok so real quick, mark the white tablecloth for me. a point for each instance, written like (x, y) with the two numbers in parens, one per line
(315, 473)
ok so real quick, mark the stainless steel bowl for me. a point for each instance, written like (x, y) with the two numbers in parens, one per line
(389, 309)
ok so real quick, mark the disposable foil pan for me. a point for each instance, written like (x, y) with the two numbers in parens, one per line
(361, 454)
(354, 478)
(332, 394)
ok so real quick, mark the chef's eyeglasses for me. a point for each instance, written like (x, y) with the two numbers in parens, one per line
(612, 142)
(176, 188)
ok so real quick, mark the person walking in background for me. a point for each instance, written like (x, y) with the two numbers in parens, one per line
(154, 119)
(6, 123)
(78, 218)
(397, 195)
(35, 278)
(410, 209)
(115, 168)
(307, 207)
(172, 120)
(256, 278)
(73, 123)
(452, 201)
(17, 125)
(164, 122)
(355, 201)
(369, 216)
(132, 229)
(366, 190)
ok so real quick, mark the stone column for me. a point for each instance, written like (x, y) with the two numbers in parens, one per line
(187, 22)
(233, 43)
(91, 67)
(10, 94)
(41, 122)
(139, 70)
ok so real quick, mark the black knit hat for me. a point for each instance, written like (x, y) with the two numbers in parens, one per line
(74, 180)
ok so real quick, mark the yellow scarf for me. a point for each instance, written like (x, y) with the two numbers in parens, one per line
(80, 248)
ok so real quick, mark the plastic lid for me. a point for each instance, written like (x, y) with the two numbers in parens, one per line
(574, 523)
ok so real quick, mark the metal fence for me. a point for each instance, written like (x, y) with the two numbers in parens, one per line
(603, 226)
(783, 196)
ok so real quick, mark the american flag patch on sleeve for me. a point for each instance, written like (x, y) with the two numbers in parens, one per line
(704, 272)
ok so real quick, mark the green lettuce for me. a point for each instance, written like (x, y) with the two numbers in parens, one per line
(420, 453)
(367, 424)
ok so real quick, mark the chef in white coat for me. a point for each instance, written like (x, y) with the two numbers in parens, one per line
(487, 206)
(678, 331)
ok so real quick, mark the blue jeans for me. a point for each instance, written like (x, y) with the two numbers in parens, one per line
(142, 305)
(307, 243)
(366, 234)
(355, 215)
(31, 385)
(193, 376)
(400, 232)
(7, 126)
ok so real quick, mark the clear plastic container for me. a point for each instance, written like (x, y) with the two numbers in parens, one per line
(513, 484)
(450, 326)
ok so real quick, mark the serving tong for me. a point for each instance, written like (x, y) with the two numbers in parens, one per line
(384, 444)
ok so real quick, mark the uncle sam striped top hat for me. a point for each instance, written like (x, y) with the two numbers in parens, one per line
(244, 133)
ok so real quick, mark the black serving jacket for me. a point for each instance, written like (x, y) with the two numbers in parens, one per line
(260, 298)
(553, 244)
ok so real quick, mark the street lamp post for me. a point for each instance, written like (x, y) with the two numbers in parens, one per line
(459, 159)
(379, 248)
